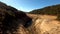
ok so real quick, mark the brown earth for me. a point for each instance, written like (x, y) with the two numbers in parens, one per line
(42, 24)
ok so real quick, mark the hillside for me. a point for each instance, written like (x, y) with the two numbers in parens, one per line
(50, 10)
(13, 21)
(44, 24)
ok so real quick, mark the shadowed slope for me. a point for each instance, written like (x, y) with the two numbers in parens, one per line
(11, 19)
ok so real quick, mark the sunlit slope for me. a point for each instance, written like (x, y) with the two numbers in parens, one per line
(44, 24)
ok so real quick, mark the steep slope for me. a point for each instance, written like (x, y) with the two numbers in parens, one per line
(44, 24)
(11, 19)
(41, 24)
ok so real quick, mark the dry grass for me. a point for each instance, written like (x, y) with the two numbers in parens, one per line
(45, 25)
